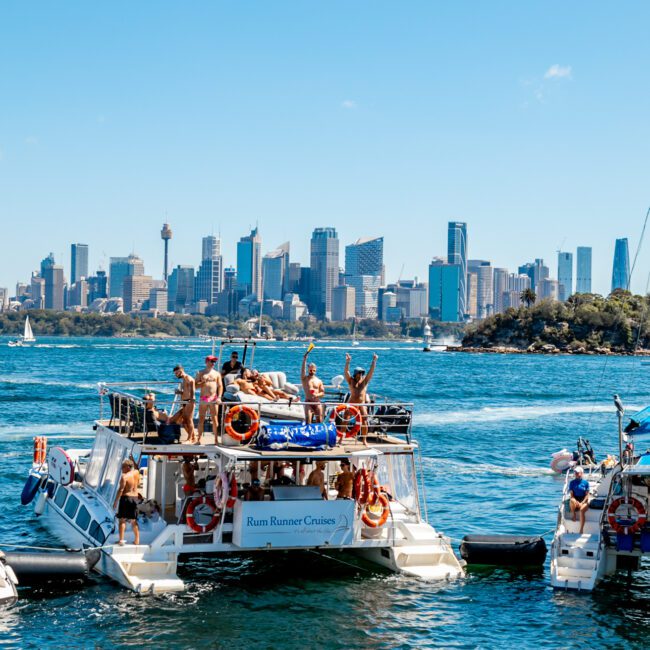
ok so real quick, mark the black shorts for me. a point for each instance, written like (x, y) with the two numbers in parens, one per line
(128, 508)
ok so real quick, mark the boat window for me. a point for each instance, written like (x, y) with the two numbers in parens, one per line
(83, 518)
(116, 453)
(403, 479)
(60, 497)
(96, 532)
(97, 458)
(71, 506)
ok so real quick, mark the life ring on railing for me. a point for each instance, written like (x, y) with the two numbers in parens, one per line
(342, 422)
(222, 497)
(366, 487)
(194, 504)
(235, 413)
(628, 524)
(375, 521)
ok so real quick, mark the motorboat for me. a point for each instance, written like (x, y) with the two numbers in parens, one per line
(616, 534)
(250, 492)
(27, 336)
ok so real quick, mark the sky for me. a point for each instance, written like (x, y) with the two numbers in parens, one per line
(528, 120)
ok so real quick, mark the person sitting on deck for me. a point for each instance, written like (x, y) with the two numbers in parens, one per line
(317, 477)
(255, 491)
(153, 417)
(264, 387)
(345, 481)
(579, 491)
(234, 365)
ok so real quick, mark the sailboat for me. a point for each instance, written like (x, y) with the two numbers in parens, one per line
(28, 336)
(354, 333)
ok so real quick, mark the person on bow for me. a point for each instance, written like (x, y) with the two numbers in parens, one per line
(579, 491)
(358, 383)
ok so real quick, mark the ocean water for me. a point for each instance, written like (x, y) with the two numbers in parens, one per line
(487, 425)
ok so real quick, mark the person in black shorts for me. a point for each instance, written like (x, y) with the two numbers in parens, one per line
(234, 365)
(127, 500)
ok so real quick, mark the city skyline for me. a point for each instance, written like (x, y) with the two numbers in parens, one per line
(446, 125)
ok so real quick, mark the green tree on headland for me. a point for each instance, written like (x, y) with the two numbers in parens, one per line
(528, 297)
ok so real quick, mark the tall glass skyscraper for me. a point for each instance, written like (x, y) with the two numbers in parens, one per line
(583, 269)
(621, 268)
(457, 254)
(565, 274)
(120, 268)
(181, 289)
(364, 270)
(275, 272)
(78, 262)
(444, 297)
(324, 273)
(249, 263)
(209, 276)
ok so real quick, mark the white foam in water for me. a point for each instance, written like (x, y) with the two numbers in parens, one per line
(445, 465)
(38, 381)
(501, 413)
(51, 431)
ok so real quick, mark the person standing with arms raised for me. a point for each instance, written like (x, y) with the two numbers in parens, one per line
(358, 382)
(314, 390)
(209, 382)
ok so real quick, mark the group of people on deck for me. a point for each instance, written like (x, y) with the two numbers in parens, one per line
(210, 384)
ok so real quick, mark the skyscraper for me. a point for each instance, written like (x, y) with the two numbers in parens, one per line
(485, 286)
(249, 263)
(343, 303)
(565, 275)
(536, 271)
(97, 286)
(136, 290)
(54, 283)
(445, 302)
(78, 262)
(500, 284)
(364, 270)
(119, 268)
(583, 269)
(275, 272)
(324, 272)
(209, 277)
(457, 254)
(180, 295)
(621, 268)
(46, 264)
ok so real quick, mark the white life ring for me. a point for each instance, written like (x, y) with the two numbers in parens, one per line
(225, 491)
(561, 461)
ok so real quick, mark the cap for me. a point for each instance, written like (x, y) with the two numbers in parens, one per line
(578, 470)
(211, 357)
(359, 370)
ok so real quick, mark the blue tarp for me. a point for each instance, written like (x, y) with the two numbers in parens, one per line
(284, 435)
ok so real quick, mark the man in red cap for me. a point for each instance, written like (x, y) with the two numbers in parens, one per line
(210, 384)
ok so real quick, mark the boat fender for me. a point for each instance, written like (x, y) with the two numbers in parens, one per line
(347, 419)
(503, 550)
(235, 413)
(632, 520)
(40, 567)
(371, 517)
(204, 501)
(31, 486)
(39, 508)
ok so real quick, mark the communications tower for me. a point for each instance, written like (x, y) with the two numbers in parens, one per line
(166, 235)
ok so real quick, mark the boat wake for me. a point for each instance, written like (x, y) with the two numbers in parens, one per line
(501, 413)
(447, 465)
(10, 432)
(38, 381)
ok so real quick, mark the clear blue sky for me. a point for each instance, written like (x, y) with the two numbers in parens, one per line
(530, 121)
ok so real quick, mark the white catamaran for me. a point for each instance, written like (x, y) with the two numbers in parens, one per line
(249, 490)
(27, 337)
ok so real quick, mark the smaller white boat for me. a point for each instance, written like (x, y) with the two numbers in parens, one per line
(27, 337)
(8, 582)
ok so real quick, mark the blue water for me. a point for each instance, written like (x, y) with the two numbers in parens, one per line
(487, 425)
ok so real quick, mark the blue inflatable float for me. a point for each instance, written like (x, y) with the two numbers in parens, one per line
(285, 435)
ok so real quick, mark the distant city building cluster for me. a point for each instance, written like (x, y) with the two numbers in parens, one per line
(459, 288)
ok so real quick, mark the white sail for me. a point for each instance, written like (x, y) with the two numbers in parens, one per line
(28, 335)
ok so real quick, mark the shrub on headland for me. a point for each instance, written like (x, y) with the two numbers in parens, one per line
(584, 323)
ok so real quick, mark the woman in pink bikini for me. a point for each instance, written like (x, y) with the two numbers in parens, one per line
(210, 384)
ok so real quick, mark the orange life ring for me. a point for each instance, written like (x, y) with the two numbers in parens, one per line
(382, 500)
(40, 450)
(220, 497)
(616, 522)
(189, 515)
(342, 423)
(234, 413)
(366, 487)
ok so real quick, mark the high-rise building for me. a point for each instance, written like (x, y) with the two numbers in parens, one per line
(457, 254)
(249, 263)
(166, 235)
(275, 272)
(97, 286)
(4, 298)
(119, 268)
(324, 272)
(536, 271)
(485, 286)
(78, 262)
(209, 277)
(343, 303)
(46, 264)
(548, 289)
(136, 291)
(583, 269)
(446, 291)
(565, 275)
(38, 291)
(54, 287)
(364, 270)
(180, 294)
(472, 295)
(500, 286)
(158, 299)
(78, 293)
(621, 268)
(229, 278)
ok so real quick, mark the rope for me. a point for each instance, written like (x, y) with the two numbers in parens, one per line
(336, 559)
(37, 548)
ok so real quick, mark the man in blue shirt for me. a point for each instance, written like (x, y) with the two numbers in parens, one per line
(579, 491)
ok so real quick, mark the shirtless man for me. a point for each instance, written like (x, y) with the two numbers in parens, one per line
(314, 390)
(264, 386)
(244, 382)
(345, 481)
(358, 383)
(211, 386)
(317, 477)
(188, 468)
(185, 413)
(126, 501)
